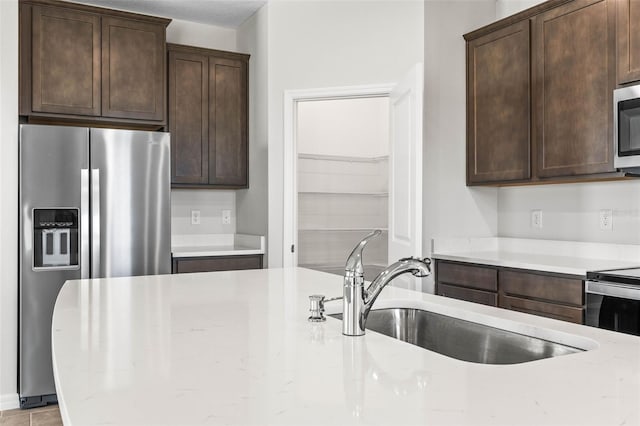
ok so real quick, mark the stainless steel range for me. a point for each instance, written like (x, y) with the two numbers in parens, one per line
(613, 300)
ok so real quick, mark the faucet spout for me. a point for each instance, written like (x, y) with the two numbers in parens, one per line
(417, 267)
(356, 301)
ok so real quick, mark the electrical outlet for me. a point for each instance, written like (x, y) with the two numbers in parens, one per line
(536, 219)
(226, 217)
(606, 220)
(195, 217)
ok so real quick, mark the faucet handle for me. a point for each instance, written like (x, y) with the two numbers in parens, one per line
(354, 261)
(316, 308)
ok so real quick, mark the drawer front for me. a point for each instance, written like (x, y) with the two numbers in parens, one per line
(553, 289)
(460, 293)
(543, 309)
(221, 263)
(467, 276)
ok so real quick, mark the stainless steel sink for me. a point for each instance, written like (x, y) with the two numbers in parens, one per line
(460, 339)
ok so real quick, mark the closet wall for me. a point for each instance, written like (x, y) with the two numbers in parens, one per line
(342, 181)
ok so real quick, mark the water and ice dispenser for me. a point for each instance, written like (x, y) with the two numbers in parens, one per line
(55, 235)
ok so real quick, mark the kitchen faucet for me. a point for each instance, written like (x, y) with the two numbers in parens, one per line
(356, 301)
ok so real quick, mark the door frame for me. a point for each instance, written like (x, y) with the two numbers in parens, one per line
(290, 199)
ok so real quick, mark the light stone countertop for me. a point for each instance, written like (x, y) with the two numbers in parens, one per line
(206, 245)
(236, 348)
(562, 257)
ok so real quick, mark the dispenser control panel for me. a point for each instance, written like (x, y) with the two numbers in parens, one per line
(55, 238)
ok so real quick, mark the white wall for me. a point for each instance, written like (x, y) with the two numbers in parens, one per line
(200, 35)
(210, 202)
(344, 127)
(8, 203)
(252, 202)
(569, 211)
(316, 44)
(450, 208)
(506, 8)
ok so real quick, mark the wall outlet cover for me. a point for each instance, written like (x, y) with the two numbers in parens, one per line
(195, 217)
(536, 219)
(606, 220)
(226, 217)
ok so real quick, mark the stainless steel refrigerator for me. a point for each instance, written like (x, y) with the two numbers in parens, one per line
(93, 203)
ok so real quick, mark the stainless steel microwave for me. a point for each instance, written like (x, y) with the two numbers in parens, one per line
(626, 128)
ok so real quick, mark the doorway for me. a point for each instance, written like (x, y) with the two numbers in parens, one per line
(342, 179)
(404, 171)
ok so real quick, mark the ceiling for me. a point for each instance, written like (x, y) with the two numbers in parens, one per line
(223, 13)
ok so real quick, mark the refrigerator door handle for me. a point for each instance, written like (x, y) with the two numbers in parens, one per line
(95, 223)
(84, 223)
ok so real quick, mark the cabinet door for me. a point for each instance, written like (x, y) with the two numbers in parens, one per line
(568, 291)
(498, 106)
(470, 295)
(628, 41)
(65, 61)
(477, 277)
(573, 79)
(228, 122)
(188, 117)
(133, 69)
(212, 264)
(543, 309)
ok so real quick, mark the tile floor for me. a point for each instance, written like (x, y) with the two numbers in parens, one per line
(42, 416)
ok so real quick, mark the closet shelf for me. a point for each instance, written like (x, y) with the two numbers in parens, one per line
(343, 158)
(366, 194)
(340, 229)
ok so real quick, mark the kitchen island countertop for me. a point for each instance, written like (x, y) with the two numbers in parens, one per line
(236, 348)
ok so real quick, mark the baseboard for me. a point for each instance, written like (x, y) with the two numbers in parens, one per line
(9, 401)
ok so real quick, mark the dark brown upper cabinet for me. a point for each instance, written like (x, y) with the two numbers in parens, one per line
(86, 64)
(208, 117)
(628, 41)
(498, 100)
(65, 60)
(539, 95)
(189, 117)
(133, 63)
(573, 81)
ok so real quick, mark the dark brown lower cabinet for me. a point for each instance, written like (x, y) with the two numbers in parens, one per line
(543, 309)
(467, 282)
(468, 294)
(538, 293)
(182, 265)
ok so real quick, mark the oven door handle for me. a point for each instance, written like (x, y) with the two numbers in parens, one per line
(615, 290)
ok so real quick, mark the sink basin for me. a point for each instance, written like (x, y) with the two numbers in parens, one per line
(460, 339)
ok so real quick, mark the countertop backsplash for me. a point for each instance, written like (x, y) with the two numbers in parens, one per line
(210, 204)
(571, 212)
